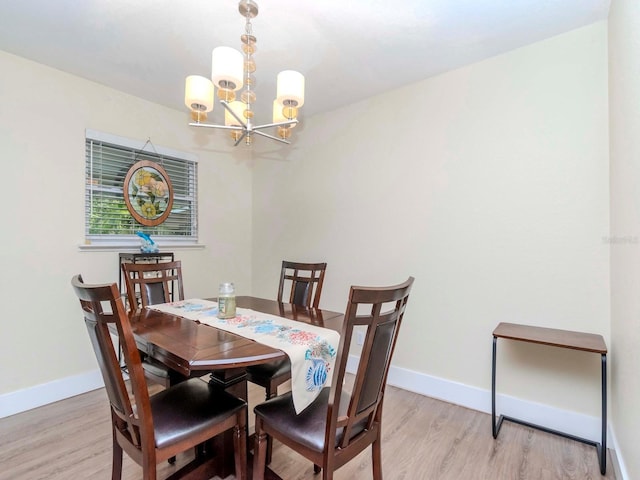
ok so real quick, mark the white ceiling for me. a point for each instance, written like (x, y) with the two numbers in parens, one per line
(348, 50)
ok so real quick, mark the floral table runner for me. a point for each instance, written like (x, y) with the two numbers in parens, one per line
(311, 349)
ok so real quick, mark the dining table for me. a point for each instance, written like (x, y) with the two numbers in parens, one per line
(189, 347)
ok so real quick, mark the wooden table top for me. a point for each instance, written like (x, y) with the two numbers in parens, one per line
(186, 346)
(588, 342)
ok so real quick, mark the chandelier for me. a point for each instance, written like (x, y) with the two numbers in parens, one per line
(232, 71)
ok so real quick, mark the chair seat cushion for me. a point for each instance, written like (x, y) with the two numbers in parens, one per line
(307, 427)
(201, 407)
(269, 370)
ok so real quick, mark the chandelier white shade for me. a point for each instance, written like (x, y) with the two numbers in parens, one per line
(227, 68)
(198, 96)
(232, 71)
(290, 89)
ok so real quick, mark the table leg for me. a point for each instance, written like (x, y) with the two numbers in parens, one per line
(494, 426)
(602, 449)
(233, 381)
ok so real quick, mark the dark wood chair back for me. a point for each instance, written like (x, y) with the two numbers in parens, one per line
(339, 424)
(306, 281)
(155, 282)
(151, 284)
(93, 299)
(152, 428)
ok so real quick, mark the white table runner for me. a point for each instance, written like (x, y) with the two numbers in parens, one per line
(311, 349)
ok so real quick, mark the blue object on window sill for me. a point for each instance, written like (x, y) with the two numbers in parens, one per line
(148, 245)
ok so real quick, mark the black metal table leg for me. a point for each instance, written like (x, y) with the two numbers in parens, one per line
(602, 450)
(495, 426)
(493, 389)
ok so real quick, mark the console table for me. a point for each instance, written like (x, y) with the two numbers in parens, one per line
(586, 342)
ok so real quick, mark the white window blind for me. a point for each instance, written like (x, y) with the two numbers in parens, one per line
(108, 159)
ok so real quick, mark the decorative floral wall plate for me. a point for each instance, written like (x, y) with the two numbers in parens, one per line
(148, 193)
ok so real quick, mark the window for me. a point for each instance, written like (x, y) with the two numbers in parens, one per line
(107, 219)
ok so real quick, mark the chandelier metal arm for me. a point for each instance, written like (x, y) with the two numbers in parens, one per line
(229, 109)
(258, 132)
(212, 125)
(244, 134)
(277, 124)
(244, 126)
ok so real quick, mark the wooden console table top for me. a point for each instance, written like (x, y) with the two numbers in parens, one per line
(588, 342)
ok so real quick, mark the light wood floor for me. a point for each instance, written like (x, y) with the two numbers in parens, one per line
(423, 439)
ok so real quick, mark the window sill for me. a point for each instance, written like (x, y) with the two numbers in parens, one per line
(124, 247)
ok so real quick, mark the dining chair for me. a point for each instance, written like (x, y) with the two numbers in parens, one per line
(153, 282)
(303, 282)
(339, 424)
(150, 284)
(154, 427)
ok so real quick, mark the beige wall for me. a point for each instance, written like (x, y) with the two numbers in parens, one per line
(624, 91)
(43, 117)
(489, 184)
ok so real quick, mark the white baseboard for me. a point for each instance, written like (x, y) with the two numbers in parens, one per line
(619, 468)
(577, 424)
(39, 395)
(573, 423)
